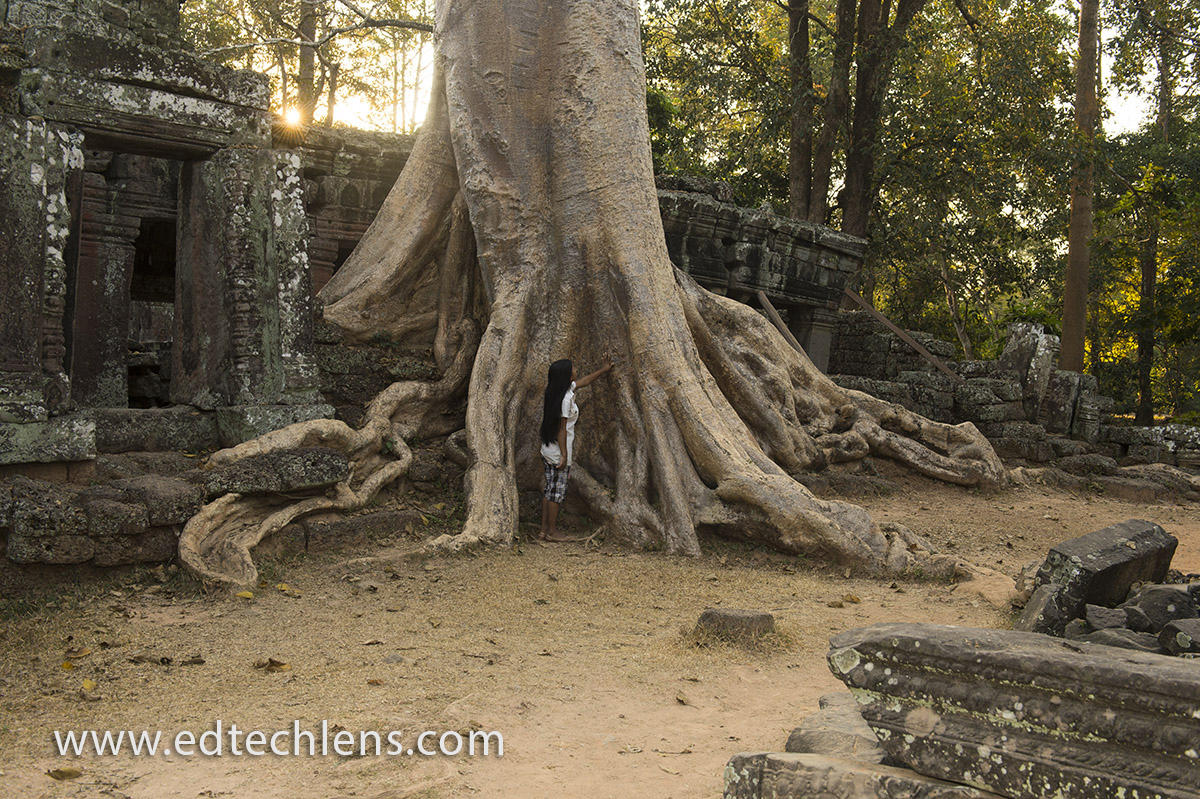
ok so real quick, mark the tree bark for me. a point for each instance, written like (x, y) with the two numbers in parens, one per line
(878, 44)
(833, 114)
(801, 142)
(527, 219)
(1079, 234)
(306, 95)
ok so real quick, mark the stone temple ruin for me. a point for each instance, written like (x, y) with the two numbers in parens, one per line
(164, 246)
(165, 236)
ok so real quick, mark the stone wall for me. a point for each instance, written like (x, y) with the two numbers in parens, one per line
(1030, 409)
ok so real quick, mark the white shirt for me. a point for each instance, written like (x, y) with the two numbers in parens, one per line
(570, 411)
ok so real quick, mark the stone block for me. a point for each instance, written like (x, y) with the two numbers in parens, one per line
(1099, 568)
(1087, 465)
(57, 549)
(180, 428)
(168, 500)
(1124, 639)
(735, 625)
(785, 775)
(156, 545)
(837, 730)
(1102, 618)
(105, 518)
(240, 423)
(62, 438)
(1057, 407)
(1181, 637)
(275, 472)
(1043, 611)
(1026, 716)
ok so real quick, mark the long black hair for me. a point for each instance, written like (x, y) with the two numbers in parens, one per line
(558, 381)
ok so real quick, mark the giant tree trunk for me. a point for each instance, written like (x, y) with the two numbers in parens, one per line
(527, 212)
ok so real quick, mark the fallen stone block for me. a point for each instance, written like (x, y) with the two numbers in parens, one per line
(1124, 639)
(837, 730)
(1181, 637)
(1156, 605)
(1043, 611)
(239, 423)
(1099, 568)
(1099, 617)
(63, 438)
(1026, 716)
(786, 775)
(274, 472)
(739, 626)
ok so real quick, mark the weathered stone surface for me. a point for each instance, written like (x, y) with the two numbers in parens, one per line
(167, 499)
(1098, 568)
(107, 517)
(1043, 611)
(731, 624)
(154, 546)
(315, 533)
(244, 422)
(283, 470)
(63, 438)
(1024, 715)
(1179, 637)
(1160, 604)
(1124, 639)
(180, 428)
(1102, 618)
(838, 730)
(779, 775)
(1087, 465)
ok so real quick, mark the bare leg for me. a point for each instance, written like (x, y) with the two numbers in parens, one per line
(551, 518)
(545, 513)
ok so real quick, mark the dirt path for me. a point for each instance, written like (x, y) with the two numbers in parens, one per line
(578, 657)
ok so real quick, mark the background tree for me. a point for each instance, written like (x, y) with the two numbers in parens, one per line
(316, 50)
(1079, 232)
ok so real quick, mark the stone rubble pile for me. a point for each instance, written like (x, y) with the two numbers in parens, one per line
(939, 712)
(1107, 587)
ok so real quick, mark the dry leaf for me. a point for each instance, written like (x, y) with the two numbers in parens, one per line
(682, 699)
(282, 587)
(851, 598)
(245, 594)
(836, 603)
(67, 665)
(89, 685)
(372, 642)
(194, 660)
(374, 681)
(271, 664)
(77, 652)
(66, 773)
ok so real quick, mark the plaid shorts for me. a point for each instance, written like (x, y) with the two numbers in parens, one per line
(556, 482)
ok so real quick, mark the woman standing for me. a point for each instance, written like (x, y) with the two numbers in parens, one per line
(558, 437)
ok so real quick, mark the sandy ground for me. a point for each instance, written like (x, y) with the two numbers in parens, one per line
(579, 657)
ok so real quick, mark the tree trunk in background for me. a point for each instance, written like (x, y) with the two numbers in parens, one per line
(878, 44)
(800, 146)
(1148, 254)
(306, 71)
(331, 99)
(525, 227)
(833, 114)
(1079, 234)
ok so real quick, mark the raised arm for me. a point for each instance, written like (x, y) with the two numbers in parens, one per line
(585, 380)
